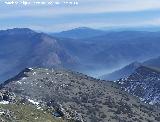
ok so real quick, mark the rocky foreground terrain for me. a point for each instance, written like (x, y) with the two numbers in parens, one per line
(43, 95)
(16, 109)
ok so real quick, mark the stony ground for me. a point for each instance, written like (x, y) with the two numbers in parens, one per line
(79, 97)
(24, 113)
(143, 83)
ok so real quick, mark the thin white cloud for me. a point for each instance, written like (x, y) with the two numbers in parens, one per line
(93, 24)
(66, 26)
(154, 22)
(85, 6)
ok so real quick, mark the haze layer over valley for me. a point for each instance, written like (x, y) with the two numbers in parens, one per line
(98, 53)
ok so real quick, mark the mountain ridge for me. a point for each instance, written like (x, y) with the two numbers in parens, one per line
(144, 83)
(79, 33)
(123, 72)
(90, 55)
(79, 97)
(129, 69)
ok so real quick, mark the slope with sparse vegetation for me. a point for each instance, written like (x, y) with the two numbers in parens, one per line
(77, 97)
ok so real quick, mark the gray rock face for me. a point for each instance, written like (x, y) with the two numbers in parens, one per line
(79, 97)
(144, 83)
(7, 96)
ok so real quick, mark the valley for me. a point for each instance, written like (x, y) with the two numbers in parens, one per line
(119, 79)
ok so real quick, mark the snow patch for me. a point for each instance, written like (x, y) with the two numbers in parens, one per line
(33, 102)
(19, 82)
(2, 112)
(30, 69)
(24, 78)
(38, 107)
(34, 73)
(4, 102)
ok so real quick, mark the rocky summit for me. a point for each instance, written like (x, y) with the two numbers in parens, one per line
(53, 95)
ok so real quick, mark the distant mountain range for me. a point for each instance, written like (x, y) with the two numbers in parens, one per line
(72, 96)
(79, 33)
(91, 51)
(129, 69)
(138, 28)
(123, 72)
(114, 49)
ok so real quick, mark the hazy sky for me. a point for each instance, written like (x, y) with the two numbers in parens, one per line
(90, 13)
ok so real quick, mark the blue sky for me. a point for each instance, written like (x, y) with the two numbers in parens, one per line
(88, 13)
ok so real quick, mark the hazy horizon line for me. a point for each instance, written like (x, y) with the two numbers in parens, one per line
(110, 28)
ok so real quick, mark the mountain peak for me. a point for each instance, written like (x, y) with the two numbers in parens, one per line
(17, 31)
(79, 33)
(20, 29)
(83, 28)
